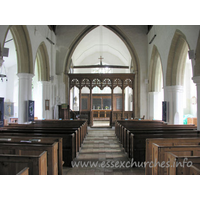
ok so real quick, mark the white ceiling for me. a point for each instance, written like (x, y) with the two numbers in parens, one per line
(101, 42)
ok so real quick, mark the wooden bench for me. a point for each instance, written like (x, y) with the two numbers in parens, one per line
(134, 141)
(159, 155)
(69, 140)
(24, 171)
(120, 129)
(37, 131)
(165, 141)
(53, 125)
(72, 136)
(34, 149)
(195, 169)
(36, 140)
(137, 143)
(177, 165)
(68, 147)
(12, 164)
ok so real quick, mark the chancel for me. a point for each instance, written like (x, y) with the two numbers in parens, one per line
(101, 93)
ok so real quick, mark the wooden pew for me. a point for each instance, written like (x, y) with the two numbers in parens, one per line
(138, 141)
(77, 140)
(134, 141)
(165, 141)
(68, 141)
(182, 165)
(195, 169)
(79, 128)
(71, 139)
(37, 140)
(34, 149)
(24, 171)
(12, 164)
(159, 155)
(120, 129)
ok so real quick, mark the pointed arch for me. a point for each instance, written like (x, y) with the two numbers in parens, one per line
(197, 59)
(85, 83)
(106, 83)
(176, 59)
(43, 63)
(23, 48)
(134, 57)
(155, 71)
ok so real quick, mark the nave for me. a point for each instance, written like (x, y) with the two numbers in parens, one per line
(101, 146)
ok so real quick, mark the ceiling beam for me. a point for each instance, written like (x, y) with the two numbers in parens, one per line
(100, 66)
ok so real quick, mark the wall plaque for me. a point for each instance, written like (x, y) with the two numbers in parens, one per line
(30, 110)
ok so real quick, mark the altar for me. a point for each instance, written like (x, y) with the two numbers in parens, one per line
(101, 115)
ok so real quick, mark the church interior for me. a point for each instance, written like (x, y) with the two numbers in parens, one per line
(107, 94)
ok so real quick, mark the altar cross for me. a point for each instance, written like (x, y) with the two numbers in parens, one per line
(100, 60)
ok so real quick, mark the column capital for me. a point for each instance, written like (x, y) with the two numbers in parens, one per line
(45, 82)
(25, 75)
(196, 79)
(177, 88)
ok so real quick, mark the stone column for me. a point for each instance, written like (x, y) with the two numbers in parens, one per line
(25, 94)
(151, 100)
(196, 79)
(174, 95)
(155, 105)
(123, 101)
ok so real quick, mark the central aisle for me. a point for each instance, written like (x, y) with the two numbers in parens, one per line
(102, 154)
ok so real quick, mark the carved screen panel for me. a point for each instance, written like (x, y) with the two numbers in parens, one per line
(106, 83)
(117, 82)
(84, 104)
(128, 82)
(85, 83)
(96, 103)
(75, 82)
(119, 103)
(107, 104)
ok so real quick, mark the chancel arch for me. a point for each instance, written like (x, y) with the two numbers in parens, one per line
(134, 61)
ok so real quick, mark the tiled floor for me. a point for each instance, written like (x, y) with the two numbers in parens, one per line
(102, 154)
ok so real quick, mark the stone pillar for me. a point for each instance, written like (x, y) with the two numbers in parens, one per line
(155, 105)
(123, 100)
(174, 95)
(151, 98)
(25, 94)
(196, 79)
